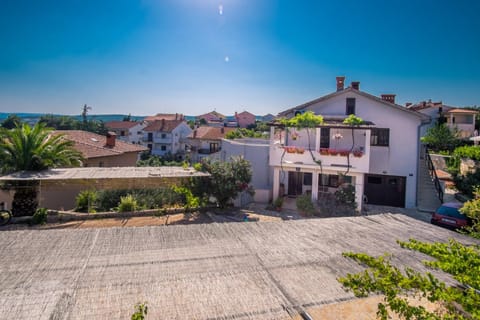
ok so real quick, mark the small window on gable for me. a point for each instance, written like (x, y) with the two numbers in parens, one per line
(350, 109)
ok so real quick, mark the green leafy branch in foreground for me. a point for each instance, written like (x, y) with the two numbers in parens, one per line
(381, 277)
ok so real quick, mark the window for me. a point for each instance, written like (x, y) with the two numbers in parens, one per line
(164, 135)
(333, 180)
(122, 133)
(163, 148)
(380, 137)
(307, 179)
(214, 147)
(325, 138)
(150, 136)
(350, 106)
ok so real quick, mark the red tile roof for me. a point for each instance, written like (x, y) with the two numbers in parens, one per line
(166, 116)
(121, 124)
(163, 125)
(93, 145)
(210, 133)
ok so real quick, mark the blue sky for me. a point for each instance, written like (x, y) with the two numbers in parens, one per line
(192, 56)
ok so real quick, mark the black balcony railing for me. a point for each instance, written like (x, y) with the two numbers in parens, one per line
(433, 175)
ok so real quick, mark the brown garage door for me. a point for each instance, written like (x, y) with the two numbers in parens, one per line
(385, 190)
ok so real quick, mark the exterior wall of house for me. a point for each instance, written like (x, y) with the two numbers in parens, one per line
(244, 119)
(179, 138)
(128, 159)
(257, 152)
(130, 135)
(173, 142)
(433, 114)
(464, 123)
(200, 148)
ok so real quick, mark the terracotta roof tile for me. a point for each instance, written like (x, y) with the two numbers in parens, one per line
(93, 145)
(163, 125)
(121, 124)
(210, 133)
(165, 116)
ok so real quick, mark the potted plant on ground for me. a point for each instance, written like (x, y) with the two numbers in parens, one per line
(357, 153)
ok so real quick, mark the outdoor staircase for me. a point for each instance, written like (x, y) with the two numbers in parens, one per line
(427, 197)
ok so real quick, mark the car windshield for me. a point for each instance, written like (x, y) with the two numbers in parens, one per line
(451, 212)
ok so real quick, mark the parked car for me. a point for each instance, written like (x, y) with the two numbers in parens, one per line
(448, 215)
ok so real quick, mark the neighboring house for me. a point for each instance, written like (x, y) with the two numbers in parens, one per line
(381, 161)
(212, 118)
(127, 131)
(167, 137)
(268, 117)
(463, 120)
(165, 116)
(206, 141)
(244, 119)
(103, 151)
(257, 152)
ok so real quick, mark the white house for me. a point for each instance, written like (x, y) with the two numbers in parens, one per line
(167, 137)
(127, 131)
(380, 158)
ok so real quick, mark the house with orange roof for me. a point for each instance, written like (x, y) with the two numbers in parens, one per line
(127, 131)
(212, 118)
(206, 141)
(103, 151)
(167, 137)
(463, 120)
(165, 116)
(245, 119)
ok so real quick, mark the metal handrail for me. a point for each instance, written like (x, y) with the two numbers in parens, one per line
(433, 175)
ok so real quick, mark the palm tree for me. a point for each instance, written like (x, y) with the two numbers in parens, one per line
(26, 148)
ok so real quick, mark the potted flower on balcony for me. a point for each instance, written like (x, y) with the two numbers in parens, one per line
(332, 152)
(295, 135)
(324, 151)
(290, 149)
(344, 153)
(357, 153)
(300, 150)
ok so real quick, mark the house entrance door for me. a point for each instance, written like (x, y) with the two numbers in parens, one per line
(295, 183)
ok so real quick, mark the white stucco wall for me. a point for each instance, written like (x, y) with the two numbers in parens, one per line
(257, 152)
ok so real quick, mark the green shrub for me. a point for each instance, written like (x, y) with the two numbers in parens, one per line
(345, 195)
(189, 200)
(141, 310)
(40, 216)
(471, 152)
(146, 198)
(304, 204)
(86, 201)
(127, 204)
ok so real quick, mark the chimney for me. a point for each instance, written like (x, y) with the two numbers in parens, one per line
(194, 134)
(356, 85)
(340, 83)
(163, 122)
(176, 116)
(222, 130)
(111, 137)
(388, 97)
(408, 104)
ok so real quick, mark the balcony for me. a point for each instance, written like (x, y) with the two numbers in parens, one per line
(301, 149)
